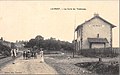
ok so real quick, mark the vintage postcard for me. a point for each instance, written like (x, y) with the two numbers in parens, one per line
(78, 37)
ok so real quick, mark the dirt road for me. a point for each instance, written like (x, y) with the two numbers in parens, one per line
(31, 66)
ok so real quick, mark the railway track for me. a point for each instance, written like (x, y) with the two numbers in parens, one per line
(6, 60)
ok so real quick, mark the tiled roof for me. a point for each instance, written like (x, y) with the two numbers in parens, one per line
(92, 19)
(97, 40)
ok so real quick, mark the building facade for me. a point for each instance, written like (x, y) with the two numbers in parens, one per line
(6, 43)
(94, 33)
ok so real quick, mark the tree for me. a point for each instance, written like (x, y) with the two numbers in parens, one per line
(5, 50)
(31, 43)
(39, 37)
(49, 44)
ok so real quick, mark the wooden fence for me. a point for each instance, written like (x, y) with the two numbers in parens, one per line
(100, 52)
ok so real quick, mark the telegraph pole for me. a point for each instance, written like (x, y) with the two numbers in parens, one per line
(74, 38)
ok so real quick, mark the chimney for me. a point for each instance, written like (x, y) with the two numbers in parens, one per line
(97, 35)
(96, 14)
(2, 38)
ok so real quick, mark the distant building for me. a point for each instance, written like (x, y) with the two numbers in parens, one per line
(94, 33)
(6, 43)
(19, 44)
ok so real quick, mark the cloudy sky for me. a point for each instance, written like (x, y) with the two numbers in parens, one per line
(23, 20)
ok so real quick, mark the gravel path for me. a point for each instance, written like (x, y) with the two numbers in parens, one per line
(6, 60)
(54, 64)
(31, 66)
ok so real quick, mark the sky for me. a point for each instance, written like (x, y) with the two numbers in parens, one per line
(23, 20)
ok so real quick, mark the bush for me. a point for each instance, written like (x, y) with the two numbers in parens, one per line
(5, 50)
(100, 68)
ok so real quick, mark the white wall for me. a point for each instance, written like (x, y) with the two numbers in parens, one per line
(90, 30)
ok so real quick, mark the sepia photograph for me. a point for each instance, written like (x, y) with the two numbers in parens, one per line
(59, 37)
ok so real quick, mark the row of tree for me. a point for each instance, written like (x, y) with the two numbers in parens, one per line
(49, 44)
(4, 50)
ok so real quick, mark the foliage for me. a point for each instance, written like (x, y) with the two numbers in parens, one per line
(49, 44)
(4, 50)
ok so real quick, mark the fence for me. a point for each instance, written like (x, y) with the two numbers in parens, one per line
(100, 52)
(116, 50)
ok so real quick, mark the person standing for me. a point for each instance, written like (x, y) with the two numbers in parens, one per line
(41, 56)
(28, 55)
(24, 54)
(17, 49)
(35, 55)
(13, 54)
(34, 52)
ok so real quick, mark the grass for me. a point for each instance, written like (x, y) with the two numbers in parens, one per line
(101, 68)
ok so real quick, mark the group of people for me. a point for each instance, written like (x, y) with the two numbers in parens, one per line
(14, 53)
(29, 54)
(33, 54)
